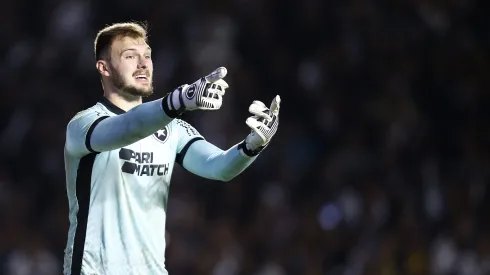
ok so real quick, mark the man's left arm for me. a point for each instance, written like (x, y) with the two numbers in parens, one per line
(208, 161)
(204, 159)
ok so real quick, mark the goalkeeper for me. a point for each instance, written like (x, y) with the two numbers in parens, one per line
(120, 154)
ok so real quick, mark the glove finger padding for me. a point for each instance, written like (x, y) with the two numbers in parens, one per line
(217, 74)
(272, 124)
(204, 94)
(257, 128)
(259, 109)
(211, 97)
(213, 91)
(219, 87)
(212, 101)
(264, 123)
(276, 102)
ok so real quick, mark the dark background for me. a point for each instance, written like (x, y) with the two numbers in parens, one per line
(380, 165)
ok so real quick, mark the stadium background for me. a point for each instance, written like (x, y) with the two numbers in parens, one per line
(380, 166)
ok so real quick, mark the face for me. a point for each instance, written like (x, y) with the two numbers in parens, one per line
(131, 67)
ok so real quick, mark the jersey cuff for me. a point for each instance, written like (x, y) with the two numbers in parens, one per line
(89, 133)
(180, 156)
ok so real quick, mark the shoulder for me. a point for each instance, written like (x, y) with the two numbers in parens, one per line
(180, 122)
(184, 126)
(94, 111)
(87, 117)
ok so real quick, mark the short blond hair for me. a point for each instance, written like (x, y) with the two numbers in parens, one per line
(107, 35)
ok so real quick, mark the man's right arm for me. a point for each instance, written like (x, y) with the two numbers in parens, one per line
(92, 132)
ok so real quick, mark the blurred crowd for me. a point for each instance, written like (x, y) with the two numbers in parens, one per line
(379, 166)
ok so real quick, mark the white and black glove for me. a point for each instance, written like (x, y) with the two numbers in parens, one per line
(204, 94)
(263, 123)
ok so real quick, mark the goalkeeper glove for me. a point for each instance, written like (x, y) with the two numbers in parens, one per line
(263, 123)
(204, 94)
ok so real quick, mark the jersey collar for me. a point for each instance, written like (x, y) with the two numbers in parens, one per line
(111, 107)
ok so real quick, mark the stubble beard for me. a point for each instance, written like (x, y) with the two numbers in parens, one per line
(130, 91)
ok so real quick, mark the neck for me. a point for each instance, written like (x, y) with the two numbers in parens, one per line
(123, 101)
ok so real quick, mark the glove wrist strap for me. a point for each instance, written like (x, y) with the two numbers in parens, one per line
(172, 99)
(181, 108)
(170, 112)
(251, 153)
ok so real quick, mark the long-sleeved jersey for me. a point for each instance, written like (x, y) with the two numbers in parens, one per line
(118, 169)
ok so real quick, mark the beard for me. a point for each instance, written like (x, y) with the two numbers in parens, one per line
(128, 90)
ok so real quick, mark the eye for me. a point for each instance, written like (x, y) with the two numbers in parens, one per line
(129, 56)
(148, 56)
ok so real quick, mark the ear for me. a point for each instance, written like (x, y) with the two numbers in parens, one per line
(103, 68)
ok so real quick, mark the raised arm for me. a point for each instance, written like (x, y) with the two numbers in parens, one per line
(208, 161)
(92, 131)
(100, 132)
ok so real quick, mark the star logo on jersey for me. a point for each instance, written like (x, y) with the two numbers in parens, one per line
(161, 135)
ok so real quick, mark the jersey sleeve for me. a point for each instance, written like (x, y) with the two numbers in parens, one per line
(208, 161)
(92, 131)
(187, 135)
(80, 129)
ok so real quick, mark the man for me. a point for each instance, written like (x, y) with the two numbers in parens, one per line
(120, 153)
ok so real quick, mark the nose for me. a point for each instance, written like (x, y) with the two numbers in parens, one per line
(143, 63)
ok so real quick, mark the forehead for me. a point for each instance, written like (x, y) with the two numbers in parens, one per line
(121, 43)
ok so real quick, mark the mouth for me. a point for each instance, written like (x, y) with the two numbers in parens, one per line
(143, 78)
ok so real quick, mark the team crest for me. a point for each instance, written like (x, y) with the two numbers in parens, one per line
(161, 135)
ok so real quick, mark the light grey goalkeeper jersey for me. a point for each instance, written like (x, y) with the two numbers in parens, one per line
(118, 198)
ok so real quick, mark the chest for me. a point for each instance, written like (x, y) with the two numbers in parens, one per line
(153, 156)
